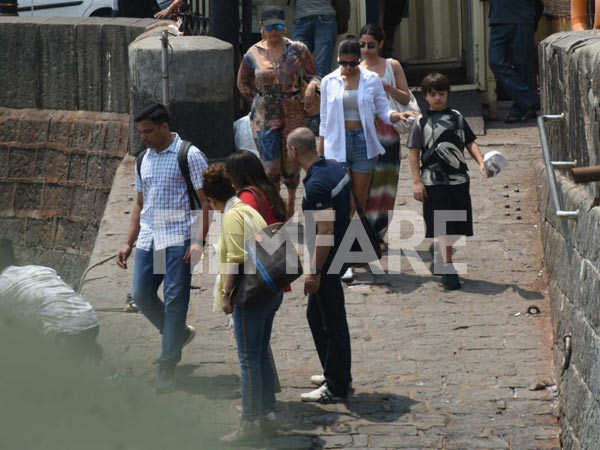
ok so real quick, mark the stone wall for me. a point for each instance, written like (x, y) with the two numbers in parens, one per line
(67, 64)
(56, 171)
(570, 83)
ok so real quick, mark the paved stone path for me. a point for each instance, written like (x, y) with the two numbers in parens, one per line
(431, 369)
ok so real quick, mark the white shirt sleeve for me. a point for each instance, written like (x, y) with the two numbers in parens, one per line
(323, 124)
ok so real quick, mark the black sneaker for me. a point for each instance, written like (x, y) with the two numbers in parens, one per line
(450, 282)
(165, 381)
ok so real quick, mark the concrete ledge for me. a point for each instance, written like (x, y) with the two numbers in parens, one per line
(570, 83)
(67, 64)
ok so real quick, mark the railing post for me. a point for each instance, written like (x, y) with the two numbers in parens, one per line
(551, 164)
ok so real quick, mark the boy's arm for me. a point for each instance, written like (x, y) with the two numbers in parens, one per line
(419, 191)
(475, 152)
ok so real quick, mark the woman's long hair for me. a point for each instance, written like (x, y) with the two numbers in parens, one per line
(245, 169)
(375, 31)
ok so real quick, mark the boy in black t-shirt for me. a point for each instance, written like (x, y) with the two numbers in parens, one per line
(439, 171)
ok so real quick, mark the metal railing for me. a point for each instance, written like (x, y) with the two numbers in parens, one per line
(550, 165)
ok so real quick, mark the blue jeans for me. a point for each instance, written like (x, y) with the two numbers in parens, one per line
(319, 34)
(168, 316)
(252, 326)
(356, 153)
(512, 56)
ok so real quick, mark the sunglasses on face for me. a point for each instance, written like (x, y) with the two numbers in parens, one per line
(369, 45)
(349, 63)
(277, 26)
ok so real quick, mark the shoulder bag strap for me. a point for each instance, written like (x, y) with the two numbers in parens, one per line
(138, 162)
(257, 196)
(184, 167)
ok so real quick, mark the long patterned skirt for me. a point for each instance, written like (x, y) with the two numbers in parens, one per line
(384, 186)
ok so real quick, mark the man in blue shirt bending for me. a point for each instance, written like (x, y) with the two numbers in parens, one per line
(326, 207)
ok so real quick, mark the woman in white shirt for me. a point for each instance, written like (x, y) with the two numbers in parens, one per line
(351, 97)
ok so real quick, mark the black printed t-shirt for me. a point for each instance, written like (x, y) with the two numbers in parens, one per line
(445, 128)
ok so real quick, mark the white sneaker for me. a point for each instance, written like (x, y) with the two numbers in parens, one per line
(317, 380)
(320, 395)
(348, 275)
(189, 336)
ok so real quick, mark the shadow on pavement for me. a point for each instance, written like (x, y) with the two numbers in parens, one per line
(405, 283)
(223, 387)
(379, 407)
(300, 419)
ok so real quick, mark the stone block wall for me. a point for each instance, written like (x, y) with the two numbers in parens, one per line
(56, 171)
(570, 83)
(67, 64)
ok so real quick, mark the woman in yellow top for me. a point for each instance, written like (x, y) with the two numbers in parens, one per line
(252, 323)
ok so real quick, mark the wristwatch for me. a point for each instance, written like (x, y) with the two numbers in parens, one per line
(225, 293)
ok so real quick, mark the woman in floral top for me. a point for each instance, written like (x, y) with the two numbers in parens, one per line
(273, 74)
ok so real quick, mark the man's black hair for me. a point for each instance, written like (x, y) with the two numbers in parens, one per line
(435, 81)
(157, 113)
(7, 254)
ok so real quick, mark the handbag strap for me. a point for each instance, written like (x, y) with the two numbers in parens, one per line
(388, 67)
(257, 195)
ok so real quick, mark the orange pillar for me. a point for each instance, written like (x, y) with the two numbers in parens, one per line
(579, 15)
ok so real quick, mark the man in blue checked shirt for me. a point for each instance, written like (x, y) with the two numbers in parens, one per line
(162, 222)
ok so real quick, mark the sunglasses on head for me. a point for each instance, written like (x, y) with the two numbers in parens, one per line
(277, 26)
(369, 45)
(348, 63)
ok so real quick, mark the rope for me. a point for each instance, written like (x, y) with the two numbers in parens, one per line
(85, 272)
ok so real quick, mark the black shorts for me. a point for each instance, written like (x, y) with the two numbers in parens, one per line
(448, 198)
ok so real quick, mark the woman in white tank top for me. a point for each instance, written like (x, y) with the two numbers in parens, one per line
(384, 185)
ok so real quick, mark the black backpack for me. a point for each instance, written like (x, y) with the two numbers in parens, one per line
(182, 160)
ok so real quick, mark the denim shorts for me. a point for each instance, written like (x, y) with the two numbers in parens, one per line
(356, 153)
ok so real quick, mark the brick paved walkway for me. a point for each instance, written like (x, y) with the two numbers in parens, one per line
(431, 369)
